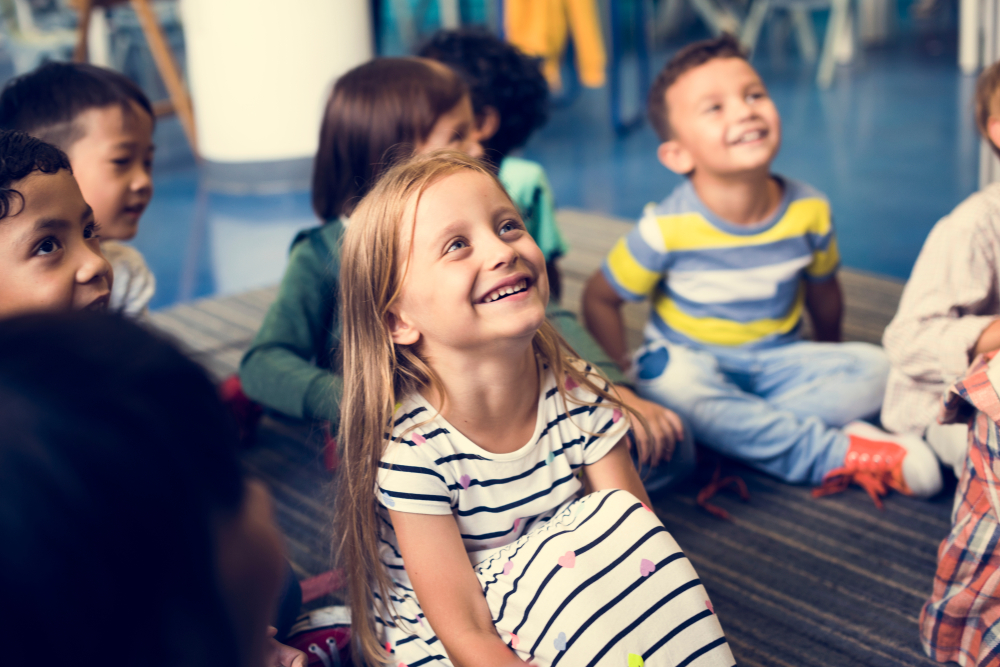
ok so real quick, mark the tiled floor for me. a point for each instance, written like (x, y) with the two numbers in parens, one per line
(892, 144)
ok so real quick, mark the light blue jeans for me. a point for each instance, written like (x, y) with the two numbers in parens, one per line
(779, 409)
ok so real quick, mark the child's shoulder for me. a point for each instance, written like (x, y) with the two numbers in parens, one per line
(978, 213)
(134, 285)
(519, 174)
(799, 190)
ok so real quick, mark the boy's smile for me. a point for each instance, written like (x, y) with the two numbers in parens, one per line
(113, 163)
(475, 275)
(50, 256)
(722, 120)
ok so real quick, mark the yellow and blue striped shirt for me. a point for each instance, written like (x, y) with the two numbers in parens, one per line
(716, 283)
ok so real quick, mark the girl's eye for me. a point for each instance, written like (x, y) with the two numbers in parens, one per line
(457, 245)
(47, 246)
(713, 108)
(509, 226)
(755, 96)
(91, 231)
(121, 162)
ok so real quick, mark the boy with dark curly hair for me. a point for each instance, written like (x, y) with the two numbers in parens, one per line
(510, 100)
(50, 255)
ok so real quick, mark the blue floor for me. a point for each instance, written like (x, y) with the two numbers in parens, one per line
(892, 144)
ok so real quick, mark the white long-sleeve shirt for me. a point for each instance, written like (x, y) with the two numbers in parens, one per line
(950, 298)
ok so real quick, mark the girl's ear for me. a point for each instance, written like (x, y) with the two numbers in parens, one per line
(487, 124)
(675, 157)
(401, 330)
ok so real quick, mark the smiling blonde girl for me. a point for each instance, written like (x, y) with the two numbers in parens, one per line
(469, 432)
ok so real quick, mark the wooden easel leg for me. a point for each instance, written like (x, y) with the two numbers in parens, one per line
(81, 51)
(167, 67)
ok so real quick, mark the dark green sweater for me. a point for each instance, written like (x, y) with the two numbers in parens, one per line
(292, 365)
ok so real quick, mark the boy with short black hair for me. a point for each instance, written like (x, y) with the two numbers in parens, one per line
(510, 100)
(50, 256)
(950, 308)
(104, 123)
(731, 260)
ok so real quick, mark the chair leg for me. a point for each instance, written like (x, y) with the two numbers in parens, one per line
(838, 23)
(167, 67)
(81, 52)
(806, 37)
(752, 26)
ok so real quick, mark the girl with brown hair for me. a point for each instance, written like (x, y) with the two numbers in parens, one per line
(384, 109)
(469, 431)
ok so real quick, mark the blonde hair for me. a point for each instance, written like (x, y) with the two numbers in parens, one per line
(377, 373)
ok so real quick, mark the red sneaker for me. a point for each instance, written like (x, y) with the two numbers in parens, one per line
(324, 635)
(878, 461)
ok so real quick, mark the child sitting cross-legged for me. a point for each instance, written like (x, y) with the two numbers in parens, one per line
(731, 260)
(50, 255)
(469, 431)
(950, 309)
(104, 123)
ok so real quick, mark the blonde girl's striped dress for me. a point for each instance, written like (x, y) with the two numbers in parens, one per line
(570, 579)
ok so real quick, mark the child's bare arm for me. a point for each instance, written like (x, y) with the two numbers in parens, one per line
(448, 589)
(615, 471)
(825, 303)
(603, 317)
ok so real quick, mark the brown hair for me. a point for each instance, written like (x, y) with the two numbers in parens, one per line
(379, 373)
(987, 92)
(691, 56)
(381, 104)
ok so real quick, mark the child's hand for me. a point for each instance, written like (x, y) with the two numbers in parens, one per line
(283, 656)
(665, 428)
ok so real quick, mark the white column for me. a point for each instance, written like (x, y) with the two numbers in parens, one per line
(968, 35)
(260, 71)
(989, 166)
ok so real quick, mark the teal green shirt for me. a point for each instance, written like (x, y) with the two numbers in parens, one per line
(292, 365)
(527, 184)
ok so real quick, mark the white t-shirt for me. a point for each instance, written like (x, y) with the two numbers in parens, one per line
(495, 498)
(134, 284)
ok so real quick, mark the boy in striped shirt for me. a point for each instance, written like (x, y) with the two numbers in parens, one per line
(731, 260)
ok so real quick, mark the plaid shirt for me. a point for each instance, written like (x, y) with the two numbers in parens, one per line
(961, 620)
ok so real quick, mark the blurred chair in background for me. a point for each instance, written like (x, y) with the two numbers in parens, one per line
(32, 44)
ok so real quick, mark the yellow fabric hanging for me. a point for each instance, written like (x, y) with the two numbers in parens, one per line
(540, 27)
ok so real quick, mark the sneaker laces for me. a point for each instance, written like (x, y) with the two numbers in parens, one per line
(866, 466)
(717, 484)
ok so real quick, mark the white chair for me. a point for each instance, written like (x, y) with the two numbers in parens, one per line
(838, 38)
(30, 45)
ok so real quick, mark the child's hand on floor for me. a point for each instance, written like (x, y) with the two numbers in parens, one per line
(665, 428)
(284, 656)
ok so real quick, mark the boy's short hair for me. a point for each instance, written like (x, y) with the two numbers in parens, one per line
(499, 75)
(691, 56)
(987, 94)
(46, 101)
(20, 156)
